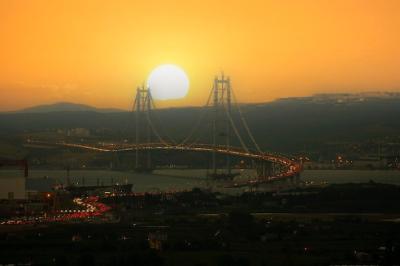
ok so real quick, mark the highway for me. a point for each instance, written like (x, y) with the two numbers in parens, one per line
(89, 207)
(290, 167)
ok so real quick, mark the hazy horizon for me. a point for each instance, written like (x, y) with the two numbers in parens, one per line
(366, 93)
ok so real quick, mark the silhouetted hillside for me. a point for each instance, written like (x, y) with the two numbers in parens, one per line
(282, 125)
(65, 107)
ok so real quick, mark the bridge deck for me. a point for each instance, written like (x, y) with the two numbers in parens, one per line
(291, 167)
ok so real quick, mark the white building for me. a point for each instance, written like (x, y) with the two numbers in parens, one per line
(78, 132)
(12, 188)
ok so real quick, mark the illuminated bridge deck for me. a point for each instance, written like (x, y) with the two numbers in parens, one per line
(290, 167)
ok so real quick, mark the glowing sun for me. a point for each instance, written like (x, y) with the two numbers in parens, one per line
(167, 82)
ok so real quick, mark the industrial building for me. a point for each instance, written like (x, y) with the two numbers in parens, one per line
(13, 187)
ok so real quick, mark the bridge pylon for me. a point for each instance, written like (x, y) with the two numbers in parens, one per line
(264, 169)
(142, 107)
(221, 124)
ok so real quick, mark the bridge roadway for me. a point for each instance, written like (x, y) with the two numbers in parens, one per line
(291, 168)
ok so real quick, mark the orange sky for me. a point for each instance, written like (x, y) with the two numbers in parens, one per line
(97, 52)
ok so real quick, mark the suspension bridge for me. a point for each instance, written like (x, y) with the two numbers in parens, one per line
(216, 120)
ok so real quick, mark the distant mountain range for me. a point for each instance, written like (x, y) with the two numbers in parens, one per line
(67, 107)
(283, 125)
(322, 98)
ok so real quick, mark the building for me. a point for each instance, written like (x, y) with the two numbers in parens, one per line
(12, 188)
(78, 132)
(157, 239)
(370, 162)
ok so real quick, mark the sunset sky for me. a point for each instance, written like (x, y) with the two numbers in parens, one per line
(97, 52)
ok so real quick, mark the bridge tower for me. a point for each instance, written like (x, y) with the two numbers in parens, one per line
(142, 108)
(264, 169)
(221, 124)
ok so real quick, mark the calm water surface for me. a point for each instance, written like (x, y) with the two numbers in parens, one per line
(187, 179)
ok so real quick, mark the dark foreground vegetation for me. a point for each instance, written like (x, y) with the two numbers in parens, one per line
(368, 197)
(319, 226)
(237, 239)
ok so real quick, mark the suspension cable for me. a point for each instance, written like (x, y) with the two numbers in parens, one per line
(245, 123)
(163, 131)
(194, 129)
(153, 128)
(235, 129)
(131, 117)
